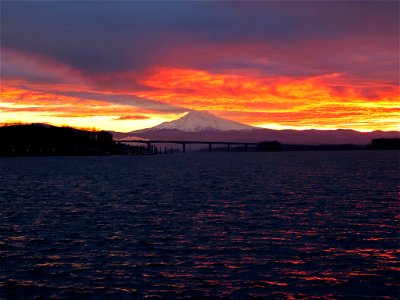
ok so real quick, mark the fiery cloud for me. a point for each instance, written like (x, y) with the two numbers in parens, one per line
(314, 102)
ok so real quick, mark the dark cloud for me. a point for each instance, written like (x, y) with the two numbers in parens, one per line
(132, 36)
(134, 117)
(34, 69)
(125, 99)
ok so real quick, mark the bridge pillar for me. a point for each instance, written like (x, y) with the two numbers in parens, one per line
(209, 147)
(229, 147)
(183, 147)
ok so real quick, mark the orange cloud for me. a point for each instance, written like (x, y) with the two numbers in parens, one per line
(322, 102)
(34, 106)
(314, 102)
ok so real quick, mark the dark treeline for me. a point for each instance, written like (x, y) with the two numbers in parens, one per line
(45, 140)
(276, 146)
(269, 146)
(339, 147)
(385, 144)
(376, 144)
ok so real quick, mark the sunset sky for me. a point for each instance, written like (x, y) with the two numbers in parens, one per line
(127, 65)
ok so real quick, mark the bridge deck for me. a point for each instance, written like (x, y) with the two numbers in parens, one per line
(184, 143)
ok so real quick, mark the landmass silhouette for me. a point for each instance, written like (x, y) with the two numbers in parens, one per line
(47, 140)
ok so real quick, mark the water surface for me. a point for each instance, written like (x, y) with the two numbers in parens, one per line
(225, 225)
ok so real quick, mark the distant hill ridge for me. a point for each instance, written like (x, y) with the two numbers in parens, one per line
(203, 126)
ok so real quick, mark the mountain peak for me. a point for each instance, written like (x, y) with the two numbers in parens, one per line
(195, 121)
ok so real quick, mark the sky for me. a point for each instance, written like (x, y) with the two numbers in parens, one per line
(128, 65)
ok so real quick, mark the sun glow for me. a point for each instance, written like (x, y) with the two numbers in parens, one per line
(19, 105)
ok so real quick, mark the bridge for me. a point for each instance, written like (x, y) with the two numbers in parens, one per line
(184, 143)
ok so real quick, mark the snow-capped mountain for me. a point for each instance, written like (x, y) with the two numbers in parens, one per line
(196, 121)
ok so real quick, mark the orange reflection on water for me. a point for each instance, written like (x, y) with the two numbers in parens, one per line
(275, 283)
(320, 278)
(294, 262)
(50, 264)
(124, 289)
(296, 272)
(380, 253)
